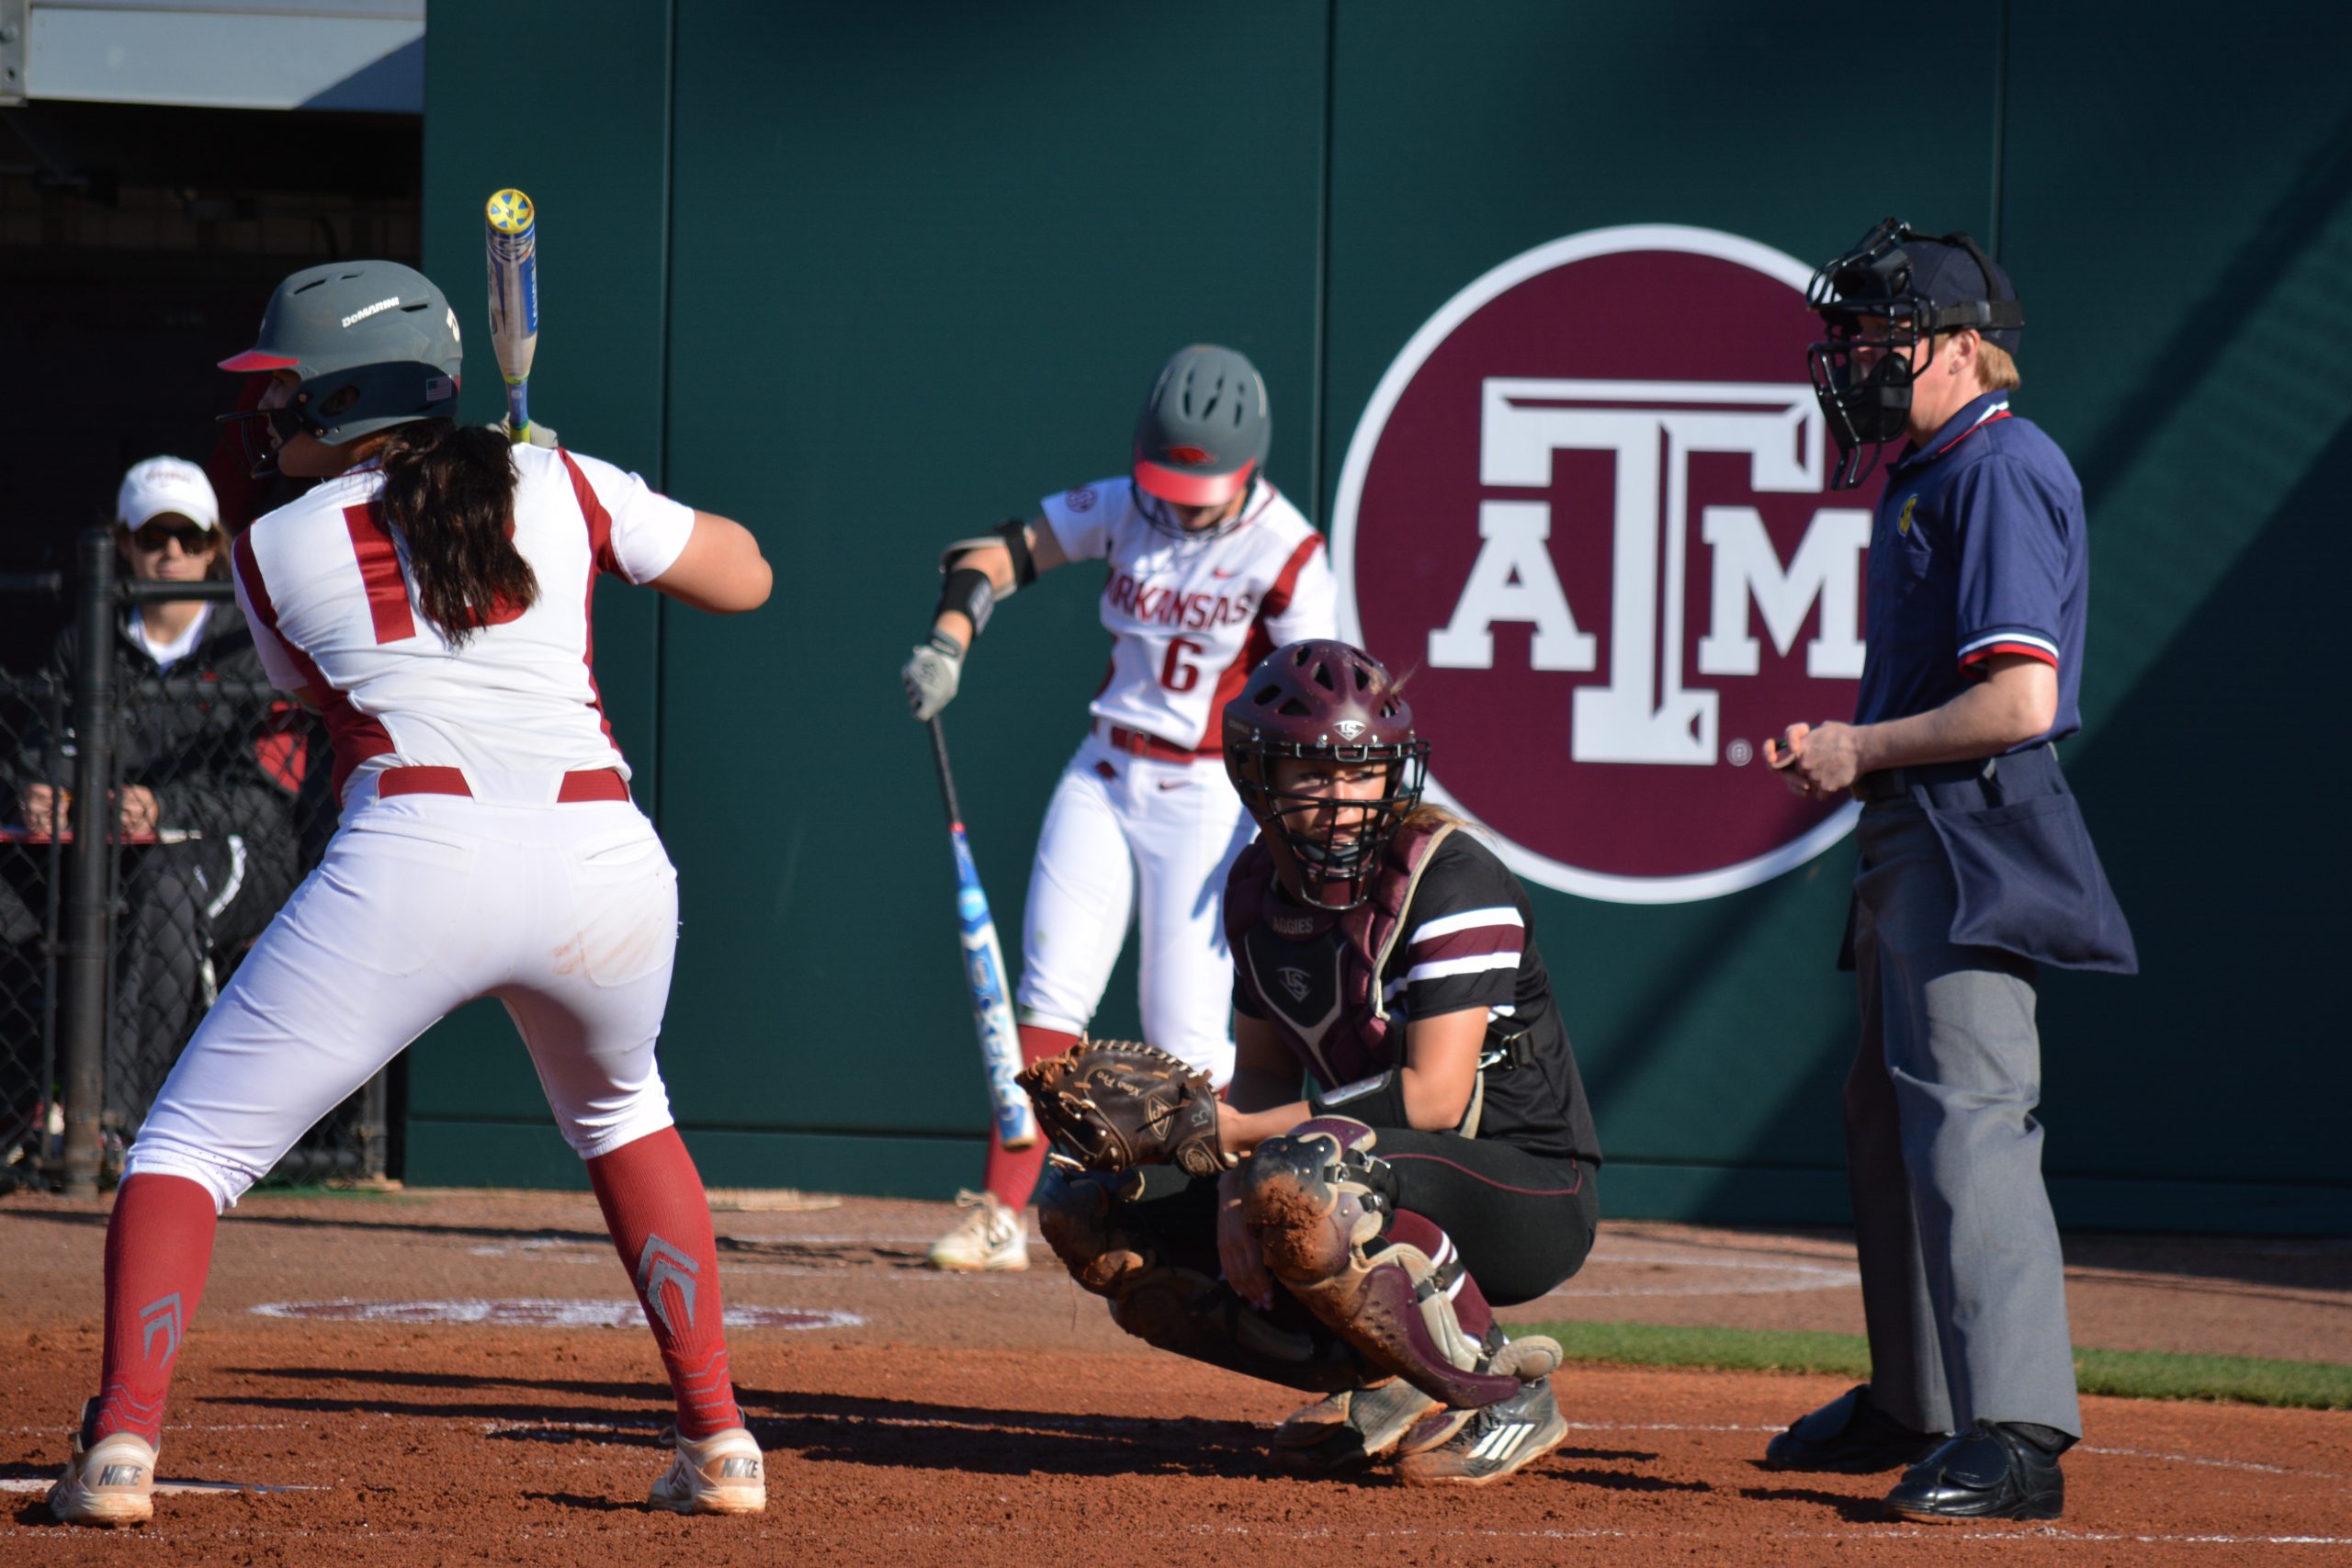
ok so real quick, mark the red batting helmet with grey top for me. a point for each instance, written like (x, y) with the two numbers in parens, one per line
(1324, 700)
(1203, 434)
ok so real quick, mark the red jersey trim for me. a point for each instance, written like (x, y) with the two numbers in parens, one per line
(1977, 655)
(600, 559)
(380, 572)
(356, 735)
(1258, 644)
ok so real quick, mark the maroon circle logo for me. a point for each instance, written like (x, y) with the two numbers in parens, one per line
(1587, 508)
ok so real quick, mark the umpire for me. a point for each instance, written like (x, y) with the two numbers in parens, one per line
(1975, 869)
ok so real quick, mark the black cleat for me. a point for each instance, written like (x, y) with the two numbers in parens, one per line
(1990, 1473)
(1848, 1436)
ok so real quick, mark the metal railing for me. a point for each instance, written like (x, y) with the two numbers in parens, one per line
(118, 940)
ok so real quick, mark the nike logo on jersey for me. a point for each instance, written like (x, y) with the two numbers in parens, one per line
(1222, 571)
(1175, 783)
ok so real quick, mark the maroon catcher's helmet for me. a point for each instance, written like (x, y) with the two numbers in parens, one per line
(1330, 703)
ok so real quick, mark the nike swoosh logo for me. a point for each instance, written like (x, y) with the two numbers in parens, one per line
(1175, 783)
(1216, 573)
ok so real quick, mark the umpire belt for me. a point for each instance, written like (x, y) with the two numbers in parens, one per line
(1979, 781)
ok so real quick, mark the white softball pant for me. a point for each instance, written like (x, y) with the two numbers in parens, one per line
(567, 914)
(1131, 837)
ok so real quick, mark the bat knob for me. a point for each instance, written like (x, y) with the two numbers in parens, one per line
(509, 211)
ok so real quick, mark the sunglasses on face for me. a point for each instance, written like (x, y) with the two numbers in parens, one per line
(152, 536)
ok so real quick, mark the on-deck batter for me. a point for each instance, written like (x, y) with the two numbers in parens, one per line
(1210, 569)
(431, 598)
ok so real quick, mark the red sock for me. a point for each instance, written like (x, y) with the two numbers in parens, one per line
(1470, 1308)
(159, 1249)
(654, 1206)
(1013, 1177)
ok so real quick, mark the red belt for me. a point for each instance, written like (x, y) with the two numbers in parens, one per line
(587, 784)
(1135, 743)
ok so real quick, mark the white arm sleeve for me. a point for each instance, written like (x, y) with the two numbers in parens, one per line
(1081, 518)
(650, 530)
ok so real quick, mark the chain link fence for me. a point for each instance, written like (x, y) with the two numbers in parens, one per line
(217, 803)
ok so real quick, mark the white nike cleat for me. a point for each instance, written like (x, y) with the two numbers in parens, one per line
(111, 1482)
(723, 1473)
(988, 1238)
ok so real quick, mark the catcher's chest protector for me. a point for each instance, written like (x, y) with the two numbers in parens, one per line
(1316, 976)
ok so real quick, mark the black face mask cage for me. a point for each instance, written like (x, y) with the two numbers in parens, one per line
(1332, 877)
(1873, 282)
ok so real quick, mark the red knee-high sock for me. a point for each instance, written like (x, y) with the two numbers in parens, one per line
(1012, 1176)
(654, 1206)
(1470, 1308)
(159, 1249)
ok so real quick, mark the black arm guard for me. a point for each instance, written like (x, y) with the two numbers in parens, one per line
(1376, 1102)
(967, 589)
(1014, 532)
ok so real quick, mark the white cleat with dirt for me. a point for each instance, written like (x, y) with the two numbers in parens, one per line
(723, 1473)
(991, 1237)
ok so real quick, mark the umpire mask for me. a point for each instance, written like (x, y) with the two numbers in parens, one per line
(1893, 290)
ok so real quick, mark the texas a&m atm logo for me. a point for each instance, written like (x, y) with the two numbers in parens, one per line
(1587, 509)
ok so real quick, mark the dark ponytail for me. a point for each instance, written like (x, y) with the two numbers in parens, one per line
(449, 491)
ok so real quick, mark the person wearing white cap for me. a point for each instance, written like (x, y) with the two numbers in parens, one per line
(204, 785)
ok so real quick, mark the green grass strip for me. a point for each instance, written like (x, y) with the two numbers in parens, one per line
(2129, 1374)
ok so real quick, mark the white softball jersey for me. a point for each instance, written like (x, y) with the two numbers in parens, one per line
(487, 847)
(1144, 825)
(327, 590)
(1190, 617)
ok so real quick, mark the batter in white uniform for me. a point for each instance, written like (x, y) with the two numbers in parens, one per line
(1210, 569)
(431, 598)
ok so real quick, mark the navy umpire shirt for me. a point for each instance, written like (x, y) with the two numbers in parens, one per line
(1978, 547)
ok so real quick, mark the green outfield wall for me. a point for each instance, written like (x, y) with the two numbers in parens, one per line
(869, 278)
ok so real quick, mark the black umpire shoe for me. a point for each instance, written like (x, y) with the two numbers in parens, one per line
(1992, 1472)
(1849, 1436)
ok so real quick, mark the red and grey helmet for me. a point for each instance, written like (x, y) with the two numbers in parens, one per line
(373, 343)
(1203, 434)
(1323, 702)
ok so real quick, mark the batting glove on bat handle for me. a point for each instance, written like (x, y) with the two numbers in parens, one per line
(534, 434)
(931, 675)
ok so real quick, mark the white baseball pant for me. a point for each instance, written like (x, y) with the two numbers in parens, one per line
(567, 913)
(1133, 836)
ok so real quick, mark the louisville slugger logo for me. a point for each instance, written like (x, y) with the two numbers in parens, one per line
(1295, 981)
(661, 1263)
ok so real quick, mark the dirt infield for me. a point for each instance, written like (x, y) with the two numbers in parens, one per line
(426, 1379)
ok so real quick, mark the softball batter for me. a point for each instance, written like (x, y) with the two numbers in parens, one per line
(430, 597)
(1210, 568)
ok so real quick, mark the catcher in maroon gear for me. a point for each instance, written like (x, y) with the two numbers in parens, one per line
(1442, 1160)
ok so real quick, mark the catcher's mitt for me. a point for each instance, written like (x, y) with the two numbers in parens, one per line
(1117, 1104)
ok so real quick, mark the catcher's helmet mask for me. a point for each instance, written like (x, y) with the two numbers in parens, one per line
(1323, 702)
(1919, 286)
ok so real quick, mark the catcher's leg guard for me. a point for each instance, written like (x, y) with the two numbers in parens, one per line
(1319, 1200)
(1176, 1309)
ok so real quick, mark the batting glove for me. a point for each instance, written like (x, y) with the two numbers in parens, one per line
(534, 434)
(931, 675)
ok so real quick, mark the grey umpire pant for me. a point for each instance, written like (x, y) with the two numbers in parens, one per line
(1962, 1290)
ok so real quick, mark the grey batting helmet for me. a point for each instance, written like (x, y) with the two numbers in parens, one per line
(1203, 429)
(374, 343)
